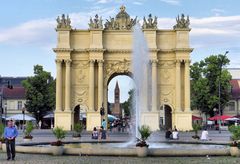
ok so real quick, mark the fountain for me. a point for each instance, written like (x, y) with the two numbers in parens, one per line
(140, 70)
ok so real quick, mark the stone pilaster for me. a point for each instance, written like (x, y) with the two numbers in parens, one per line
(178, 85)
(91, 85)
(187, 86)
(100, 83)
(59, 85)
(68, 85)
(154, 85)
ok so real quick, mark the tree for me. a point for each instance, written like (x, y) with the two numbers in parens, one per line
(40, 92)
(128, 105)
(205, 76)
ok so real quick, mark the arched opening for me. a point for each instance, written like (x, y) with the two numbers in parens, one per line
(80, 115)
(168, 116)
(120, 88)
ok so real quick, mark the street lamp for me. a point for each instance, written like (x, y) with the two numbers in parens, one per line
(219, 89)
(5, 107)
(23, 112)
(38, 112)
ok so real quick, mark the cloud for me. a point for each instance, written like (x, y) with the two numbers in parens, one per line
(217, 12)
(41, 32)
(171, 2)
(103, 1)
(137, 3)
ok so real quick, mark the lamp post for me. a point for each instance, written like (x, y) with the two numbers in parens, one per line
(219, 89)
(38, 112)
(23, 112)
(5, 107)
(9, 86)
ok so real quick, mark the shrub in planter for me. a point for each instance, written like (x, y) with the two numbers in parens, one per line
(78, 128)
(60, 134)
(145, 132)
(1, 133)
(235, 146)
(196, 127)
(28, 130)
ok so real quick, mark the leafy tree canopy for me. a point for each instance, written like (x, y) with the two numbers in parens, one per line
(205, 77)
(40, 92)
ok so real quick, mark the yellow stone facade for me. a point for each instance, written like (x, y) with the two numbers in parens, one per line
(86, 60)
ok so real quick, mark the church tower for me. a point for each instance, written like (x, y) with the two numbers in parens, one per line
(116, 109)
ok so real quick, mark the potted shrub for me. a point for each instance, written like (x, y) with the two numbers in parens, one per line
(235, 146)
(1, 135)
(78, 128)
(28, 130)
(196, 127)
(142, 146)
(57, 147)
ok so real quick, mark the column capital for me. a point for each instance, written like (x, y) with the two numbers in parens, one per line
(154, 61)
(58, 61)
(92, 61)
(68, 62)
(187, 61)
(178, 62)
(100, 61)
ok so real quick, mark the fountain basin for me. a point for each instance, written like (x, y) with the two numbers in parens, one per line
(104, 149)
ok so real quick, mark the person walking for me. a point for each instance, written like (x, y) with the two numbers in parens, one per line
(104, 124)
(10, 133)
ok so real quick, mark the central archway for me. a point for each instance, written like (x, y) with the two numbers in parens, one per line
(168, 116)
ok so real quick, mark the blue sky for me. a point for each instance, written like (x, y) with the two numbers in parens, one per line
(27, 33)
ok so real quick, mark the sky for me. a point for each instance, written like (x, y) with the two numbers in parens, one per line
(27, 28)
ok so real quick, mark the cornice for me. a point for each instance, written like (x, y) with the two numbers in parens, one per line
(62, 49)
(183, 49)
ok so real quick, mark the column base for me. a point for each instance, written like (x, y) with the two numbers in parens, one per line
(183, 120)
(151, 119)
(93, 120)
(63, 119)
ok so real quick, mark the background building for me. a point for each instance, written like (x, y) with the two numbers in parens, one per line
(233, 107)
(116, 110)
(12, 99)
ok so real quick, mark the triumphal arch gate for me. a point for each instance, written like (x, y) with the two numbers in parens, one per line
(87, 59)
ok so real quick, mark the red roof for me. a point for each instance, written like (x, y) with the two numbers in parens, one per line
(235, 88)
(15, 93)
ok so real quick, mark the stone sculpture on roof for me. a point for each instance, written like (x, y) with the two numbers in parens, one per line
(63, 22)
(150, 23)
(96, 23)
(122, 21)
(182, 22)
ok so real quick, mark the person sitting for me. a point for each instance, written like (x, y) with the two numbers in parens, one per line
(204, 136)
(95, 133)
(168, 133)
(175, 134)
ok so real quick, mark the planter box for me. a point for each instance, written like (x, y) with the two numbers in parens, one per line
(27, 139)
(57, 150)
(142, 151)
(235, 151)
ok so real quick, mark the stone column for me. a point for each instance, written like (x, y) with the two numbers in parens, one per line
(187, 86)
(68, 85)
(100, 83)
(154, 85)
(91, 85)
(178, 85)
(59, 85)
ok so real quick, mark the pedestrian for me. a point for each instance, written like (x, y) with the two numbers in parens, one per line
(103, 133)
(10, 133)
(204, 136)
(104, 124)
(39, 124)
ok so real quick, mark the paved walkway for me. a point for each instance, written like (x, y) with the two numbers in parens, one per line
(47, 136)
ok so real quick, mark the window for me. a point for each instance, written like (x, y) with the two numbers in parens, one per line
(19, 105)
(231, 106)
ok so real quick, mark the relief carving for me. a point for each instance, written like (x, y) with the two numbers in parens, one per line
(122, 66)
(80, 96)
